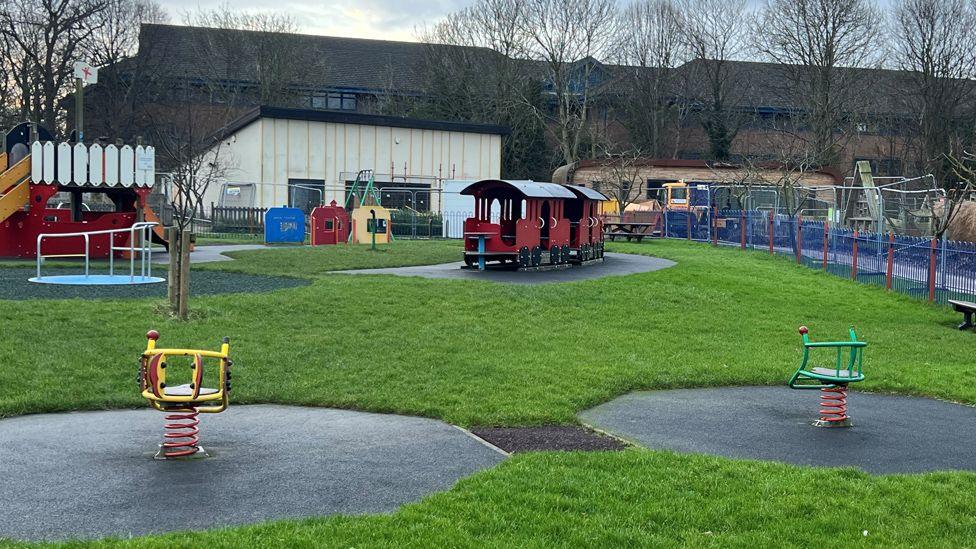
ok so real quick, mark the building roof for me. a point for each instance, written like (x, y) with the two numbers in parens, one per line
(402, 68)
(322, 62)
(341, 117)
(758, 86)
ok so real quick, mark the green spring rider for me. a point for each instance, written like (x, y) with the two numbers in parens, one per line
(832, 382)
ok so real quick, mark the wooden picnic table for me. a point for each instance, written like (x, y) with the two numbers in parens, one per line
(630, 230)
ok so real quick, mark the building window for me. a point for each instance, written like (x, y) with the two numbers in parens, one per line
(334, 101)
(342, 101)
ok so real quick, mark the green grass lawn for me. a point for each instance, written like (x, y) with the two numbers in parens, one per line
(476, 353)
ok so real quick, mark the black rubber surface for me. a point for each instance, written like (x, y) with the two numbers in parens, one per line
(891, 434)
(548, 437)
(14, 284)
(613, 265)
(91, 474)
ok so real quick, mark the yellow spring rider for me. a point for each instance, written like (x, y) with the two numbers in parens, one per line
(186, 401)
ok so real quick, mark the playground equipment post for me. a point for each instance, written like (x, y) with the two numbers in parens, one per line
(84, 74)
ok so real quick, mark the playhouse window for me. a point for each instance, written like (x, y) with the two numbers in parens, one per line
(375, 226)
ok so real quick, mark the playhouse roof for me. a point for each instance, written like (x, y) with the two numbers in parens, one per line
(587, 192)
(531, 189)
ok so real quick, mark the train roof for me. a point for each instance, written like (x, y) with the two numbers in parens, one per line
(531, 189)
(587, 192)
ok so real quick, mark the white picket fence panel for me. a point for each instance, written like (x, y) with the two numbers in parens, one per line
(95, 165)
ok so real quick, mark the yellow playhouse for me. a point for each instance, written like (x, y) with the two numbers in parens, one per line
(368, 220)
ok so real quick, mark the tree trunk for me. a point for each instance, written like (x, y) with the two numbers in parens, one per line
(184, 277)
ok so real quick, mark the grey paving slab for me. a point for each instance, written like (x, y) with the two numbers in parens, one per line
(613, 265)
(891, 434)
(211, 254)
(91, 474)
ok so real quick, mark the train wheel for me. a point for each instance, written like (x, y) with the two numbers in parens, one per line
(554, 255)
(523, 257)
(564, 256)
(536, 256)
(469, 260)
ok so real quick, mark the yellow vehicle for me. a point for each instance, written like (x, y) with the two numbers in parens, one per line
(676, 195)
(183, 402)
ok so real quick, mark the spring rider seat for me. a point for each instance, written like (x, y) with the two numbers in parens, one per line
(183, 403)
(832, 382)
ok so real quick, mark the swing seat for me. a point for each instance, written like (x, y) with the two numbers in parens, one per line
(847, 368)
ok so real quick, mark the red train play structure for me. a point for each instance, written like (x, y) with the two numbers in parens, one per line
(526, 224)
(103, 187)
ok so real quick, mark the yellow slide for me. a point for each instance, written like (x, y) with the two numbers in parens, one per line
(14, 187)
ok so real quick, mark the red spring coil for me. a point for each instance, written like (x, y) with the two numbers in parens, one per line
(180, 438)
(833, 403)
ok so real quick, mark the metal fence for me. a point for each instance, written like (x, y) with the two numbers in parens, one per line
(926, 268)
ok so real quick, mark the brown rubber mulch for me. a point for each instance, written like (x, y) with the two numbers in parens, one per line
(550, 437)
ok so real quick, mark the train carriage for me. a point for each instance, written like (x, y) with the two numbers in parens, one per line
(586, 225)
(522, 223)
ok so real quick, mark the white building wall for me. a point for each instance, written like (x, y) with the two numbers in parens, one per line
(269, 152)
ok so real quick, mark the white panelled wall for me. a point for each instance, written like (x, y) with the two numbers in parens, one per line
(270, 151)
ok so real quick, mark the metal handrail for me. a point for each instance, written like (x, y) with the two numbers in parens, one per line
(145, 249)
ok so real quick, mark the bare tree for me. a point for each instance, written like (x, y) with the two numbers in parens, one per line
(817, 42)
(567, 38)
(651, 47)
(191, 151)
(43, 39)
(955, 217)
(475, 70)
(714, 32)
(8, 96)
(621, 176)
(935, 45)
(126, 81)
(115, 35)
(269, 54)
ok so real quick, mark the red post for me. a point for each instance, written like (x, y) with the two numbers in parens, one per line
(714, 227)
(932, 271)
(854, 259)
(891, 260)
(826, 246)
(772, 229)
(742, 228)
(689, 221)
(799, 238)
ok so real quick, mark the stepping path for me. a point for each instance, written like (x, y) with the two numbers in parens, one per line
(891, 434)
(92, 474)
(211, 254)
(613, 265)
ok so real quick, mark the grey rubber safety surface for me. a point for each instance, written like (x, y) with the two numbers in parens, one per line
(92, 474)
(14, 284)
(891, 434)
(613, 265)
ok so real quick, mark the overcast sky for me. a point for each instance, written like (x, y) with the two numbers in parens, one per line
(380, 19)
(383, 19)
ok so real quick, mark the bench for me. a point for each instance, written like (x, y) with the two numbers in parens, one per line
(967, 308)
(613, 236)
